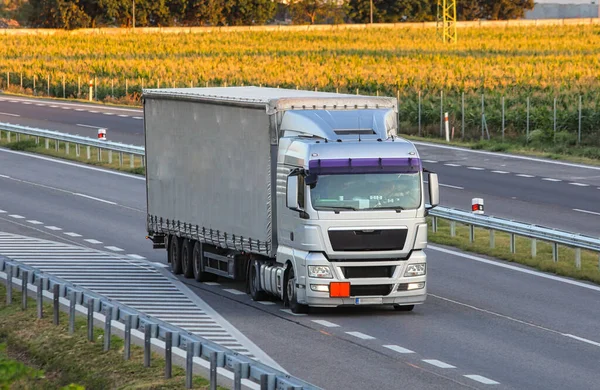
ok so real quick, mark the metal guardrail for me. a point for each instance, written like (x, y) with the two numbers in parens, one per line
(32, 279)
(516, 228)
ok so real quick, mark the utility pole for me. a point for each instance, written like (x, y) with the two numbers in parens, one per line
(133, 2)
(446, 17)
(371, 11)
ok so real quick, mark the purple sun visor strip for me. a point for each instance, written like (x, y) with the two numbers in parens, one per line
(364, 165)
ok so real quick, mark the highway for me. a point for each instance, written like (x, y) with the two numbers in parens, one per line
(486, 323)
(545, 192)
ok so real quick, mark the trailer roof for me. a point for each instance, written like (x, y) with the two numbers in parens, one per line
(257, 95)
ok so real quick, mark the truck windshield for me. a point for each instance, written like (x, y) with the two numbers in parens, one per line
(367, 191)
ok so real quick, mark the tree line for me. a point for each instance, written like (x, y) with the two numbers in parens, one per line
(72, 14)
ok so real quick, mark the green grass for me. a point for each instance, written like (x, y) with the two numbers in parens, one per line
(565, 266)
(36, 354)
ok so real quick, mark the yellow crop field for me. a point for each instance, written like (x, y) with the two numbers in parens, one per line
(542, 63)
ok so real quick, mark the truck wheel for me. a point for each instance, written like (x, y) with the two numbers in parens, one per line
(186, 258)
(199, 274)
(255, 292)
(404, 307)
(290, 294)
(175, 254)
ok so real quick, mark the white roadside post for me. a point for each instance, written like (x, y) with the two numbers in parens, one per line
(447, 127)
(91, 93)
(102, 134)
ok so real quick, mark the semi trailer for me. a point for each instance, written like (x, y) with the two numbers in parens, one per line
(309, 197)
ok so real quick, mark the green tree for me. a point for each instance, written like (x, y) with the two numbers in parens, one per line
(248, 12)
(67, 14)
(316, 11)
(205, 12)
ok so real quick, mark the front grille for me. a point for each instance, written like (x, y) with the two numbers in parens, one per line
(362, 241)
(368, 272)
(374, 289)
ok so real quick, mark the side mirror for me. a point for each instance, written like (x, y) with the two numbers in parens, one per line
(434, 190)
(292, 192)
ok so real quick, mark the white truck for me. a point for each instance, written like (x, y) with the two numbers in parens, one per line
(310, 197)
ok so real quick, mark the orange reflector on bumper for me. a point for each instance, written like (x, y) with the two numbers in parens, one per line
(339, 289)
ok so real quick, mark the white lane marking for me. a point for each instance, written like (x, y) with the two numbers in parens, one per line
(94, 112)
(524, 175)
(514, 268)
(79, 105)
(71, 234)
(137, 117)
(430, 161)
(124, 116)
(114, 248)
(476, 168)
(502, 155)
(212, 283)
(438, 363)
(451, 186)
(482, 379)
(79, 109)
(92, 241)
(26, 103)
(582, 339)
(4, 176)
(82, 166)
(16, 216)
(94, 198)
(398, 349)
(64, 108)
(500, 172)
(452, 165)
(586, 211)
(9, 114)
(55, 228)
(160, 265)
(108, 113)
(136, 257)
(34, 222)
(288, 311)
(234, 291)
(361, 335)
(550, 179)
(2, 211)
(53, 106)
(40, 104)
(579, 184)
(93, 127)
(266, 303)
(326, 323)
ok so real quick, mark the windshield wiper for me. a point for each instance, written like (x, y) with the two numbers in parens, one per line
(336, 208)
(397, 208)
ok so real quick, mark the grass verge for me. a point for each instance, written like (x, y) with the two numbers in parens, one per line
(543, 260)
(36, 354)
(577, 154)
(97, 157)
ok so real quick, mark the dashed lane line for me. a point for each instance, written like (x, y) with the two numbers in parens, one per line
(586, 211)
(579, 184)
(524, 175)
(71, 234)
(438, 363)
(361, 335)
(54, 228)
(137, 257)
(551, 179)
(476, 168)
(482, 379)
(114, 248)
(16, 216)
(234, 291)
(326, 323)
(500, 172)
(35, 222)
(452, 165)
(399, 349)
(92, 241)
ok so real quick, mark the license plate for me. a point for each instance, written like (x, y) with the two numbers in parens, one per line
(368, 301)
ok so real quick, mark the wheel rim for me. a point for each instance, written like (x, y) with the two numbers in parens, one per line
(290, 287)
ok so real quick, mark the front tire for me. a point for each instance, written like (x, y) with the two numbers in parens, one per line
(175, 255)
(255, 292)
(199, 274)
(291, 294)
(186, 258)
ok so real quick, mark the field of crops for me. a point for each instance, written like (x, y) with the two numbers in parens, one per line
(542, 63)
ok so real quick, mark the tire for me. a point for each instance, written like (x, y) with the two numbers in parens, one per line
(290, 293)
(175, 254)
(186, 258)
(404, 307)
(197, 268)
(255, 292)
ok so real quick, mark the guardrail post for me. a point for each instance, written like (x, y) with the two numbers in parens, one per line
(99, 154)
(110, 156)
(237, 376)
(578, 258)
(9, 284)
(555, 252)
(147, 344)
(513, 243)
(189, 364)
(56, 145)
(67, 148)
(132, 160)
(72, 302)
(452, 228)
(90, 319)
(39, 294)
(127, 348)
(56, 303)
(47, 143)
(533, 248)
(8, 136)
(471, 233)
(492, 238)
(168, 354)
(18, 137)
(107, 327)
(434, 224)
(37, 140)
(89, 155)
(213, 371)
(24, 276)
(77, 150)
(120, 159)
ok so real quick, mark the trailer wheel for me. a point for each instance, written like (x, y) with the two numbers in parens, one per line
(197, 267)
(186, 258)
(404, 307)
(175, 254)
(290, 293)
(255, 292)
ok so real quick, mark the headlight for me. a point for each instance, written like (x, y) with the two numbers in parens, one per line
(319, 271)
(416, 270)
